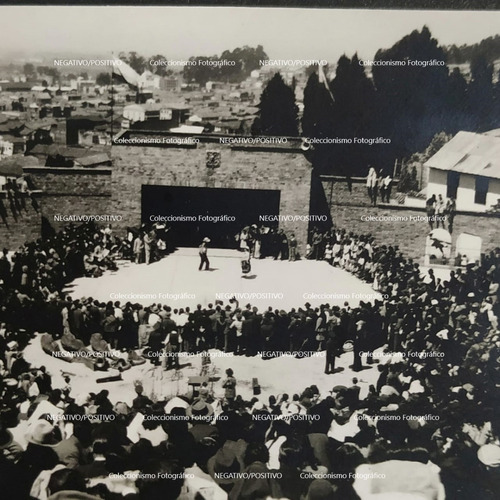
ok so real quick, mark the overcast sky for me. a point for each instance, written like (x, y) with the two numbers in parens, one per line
(181, 32)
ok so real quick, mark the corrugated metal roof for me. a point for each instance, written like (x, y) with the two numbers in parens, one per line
(469, 153)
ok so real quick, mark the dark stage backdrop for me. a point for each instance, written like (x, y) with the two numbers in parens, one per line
(245, 205)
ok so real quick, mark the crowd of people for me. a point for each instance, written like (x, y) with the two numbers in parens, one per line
(441, 212)
(315, 442)
(262, 242)
(18, 193)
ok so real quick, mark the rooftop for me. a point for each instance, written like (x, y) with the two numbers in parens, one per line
(470, 153)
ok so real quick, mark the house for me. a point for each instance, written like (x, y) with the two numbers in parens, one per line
(170, 83)
(134, 113)
(171, 114)
(467, 168)
(92, 137)
(149, 80)
(10, 145)
(44, 97)
(85, 86)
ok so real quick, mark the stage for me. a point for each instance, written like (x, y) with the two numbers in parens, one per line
(176, 281)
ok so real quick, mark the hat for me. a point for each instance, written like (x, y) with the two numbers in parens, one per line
(339, 388)
(43, 433)
(390, 407)
(443, 334)
(206, 240)
(320, 489)
(200, 409)
(489, 454)
(10, 382)
(388, 390)
(121, 408)
(223, 462)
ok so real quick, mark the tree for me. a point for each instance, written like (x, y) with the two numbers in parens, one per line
(42, 70)
(161, 70)
(242, 61)
(458, 114)
(318, 109)
(29, 71)
(481, 93)
(201, 72)
(84, 75)
(278, 110)
(134, 60)
(411, 98)
(103, 79)
(354, 117)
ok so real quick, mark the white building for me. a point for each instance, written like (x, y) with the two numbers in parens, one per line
(134, 113)
(149, 80)
(467, 168)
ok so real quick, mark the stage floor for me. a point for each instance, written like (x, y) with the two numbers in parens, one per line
(176, 281)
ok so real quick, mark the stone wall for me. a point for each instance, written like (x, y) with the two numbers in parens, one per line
(241, 168)
(347, 208)
(15, 231)
(72, 191)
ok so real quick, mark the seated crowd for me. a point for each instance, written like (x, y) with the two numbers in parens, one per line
(450, 449)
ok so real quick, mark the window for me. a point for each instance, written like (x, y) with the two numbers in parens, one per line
(482, 184)
(452, 184)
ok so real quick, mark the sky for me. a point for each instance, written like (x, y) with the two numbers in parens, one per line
(181, 32)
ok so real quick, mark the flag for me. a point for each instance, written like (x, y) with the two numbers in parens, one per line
(125, 74)
(322, 79)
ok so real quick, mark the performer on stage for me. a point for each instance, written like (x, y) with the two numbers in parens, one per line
(203, 254)
(245, 263)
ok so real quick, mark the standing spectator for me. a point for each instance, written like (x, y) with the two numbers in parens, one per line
(237, 325)
(440, 210)
(173, 346)
(292, 248)
(229, 384)
(148, 245)
(329, 254)
(138, 249)
(371, 183)
(387, 188)
(450, 211)
(430, 208)
(283, 245)
(317, 239)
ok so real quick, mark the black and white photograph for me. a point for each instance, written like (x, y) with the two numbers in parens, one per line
(249, 253)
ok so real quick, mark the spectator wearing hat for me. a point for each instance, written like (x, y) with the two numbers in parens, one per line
(10, 449)
(257, 484)
(202, 251)
(224, 466)
(173, 346)
(42, 437)
(201, 414)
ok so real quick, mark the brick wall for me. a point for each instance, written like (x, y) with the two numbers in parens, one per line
(286, 171)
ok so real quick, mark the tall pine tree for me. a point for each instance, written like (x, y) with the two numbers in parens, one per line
(278, 110)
